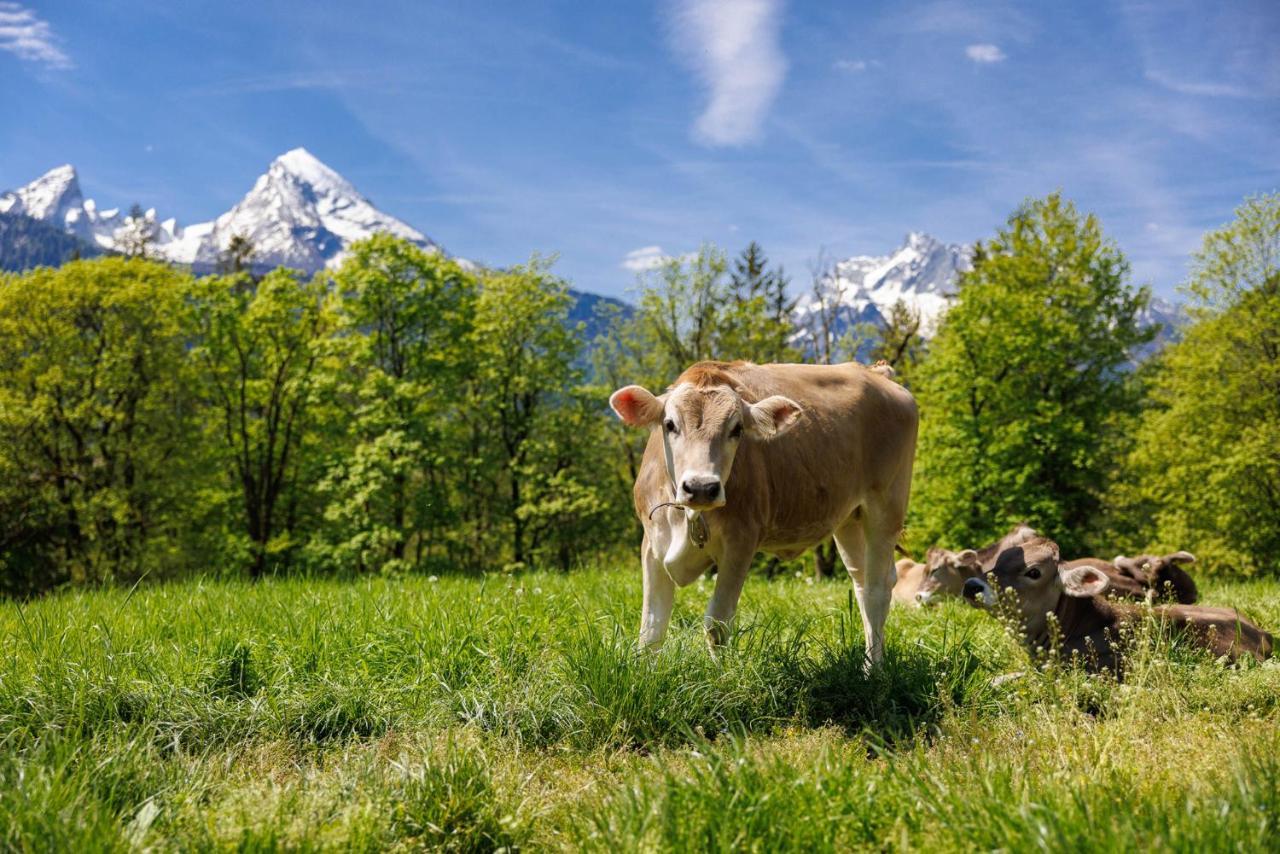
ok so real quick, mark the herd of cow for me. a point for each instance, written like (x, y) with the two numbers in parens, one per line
(1084, 608)
(744, 458)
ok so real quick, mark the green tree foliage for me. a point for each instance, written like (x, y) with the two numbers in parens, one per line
(898, 341)
(259, 355)
(96, 423)
(759, 328)
(1026, 391)
(406, 319)
(537, 480)
(1205, 473)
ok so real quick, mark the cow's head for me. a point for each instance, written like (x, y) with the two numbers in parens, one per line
(1149, 567)
(1030, 578)
(703, 427)
(945, 574)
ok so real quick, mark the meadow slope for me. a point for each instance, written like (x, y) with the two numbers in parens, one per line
(473, 714)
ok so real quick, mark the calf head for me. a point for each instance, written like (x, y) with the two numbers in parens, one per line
(1029, 579)
(946, 572)
(703, 426)
(1164, 574)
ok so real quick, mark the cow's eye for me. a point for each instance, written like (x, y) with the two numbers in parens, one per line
(670, 427)
(736, 432)
(1033, 573)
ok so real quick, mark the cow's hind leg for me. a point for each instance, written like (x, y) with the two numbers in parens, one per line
(659, 598)
(868, 555)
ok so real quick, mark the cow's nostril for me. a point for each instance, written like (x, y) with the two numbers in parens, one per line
(702, 490)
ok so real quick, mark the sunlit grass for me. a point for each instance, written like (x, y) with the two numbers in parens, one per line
(478, 714)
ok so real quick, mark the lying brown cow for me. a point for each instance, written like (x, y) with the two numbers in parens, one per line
(1158, 579)
(1088, 625)
(743, 458)
(945, 572)
(910, 574)
(1162, 574)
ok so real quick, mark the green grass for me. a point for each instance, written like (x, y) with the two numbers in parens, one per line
(473, 714)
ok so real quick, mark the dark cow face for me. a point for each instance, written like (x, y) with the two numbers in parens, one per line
(945, 574)
(1029, 579)
(1148, 567)
(702, 428)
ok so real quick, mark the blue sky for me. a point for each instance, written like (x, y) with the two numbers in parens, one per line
(613, 132)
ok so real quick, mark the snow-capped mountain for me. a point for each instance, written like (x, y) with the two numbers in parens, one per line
(302, 214)
(55, 198)
(921, 273)
(299, 214)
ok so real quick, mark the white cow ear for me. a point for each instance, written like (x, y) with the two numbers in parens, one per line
(1181, 557)
(1083, 582)
(636, 406)
(966, 557)
(772, 417)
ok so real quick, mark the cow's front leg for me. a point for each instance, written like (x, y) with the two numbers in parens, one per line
(731, 575)
(659, 598)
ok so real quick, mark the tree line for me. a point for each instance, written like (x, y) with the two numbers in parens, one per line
(405, 413)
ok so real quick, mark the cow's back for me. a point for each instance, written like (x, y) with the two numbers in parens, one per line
(857, 437)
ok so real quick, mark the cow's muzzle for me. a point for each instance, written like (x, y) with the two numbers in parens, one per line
(978, 593)
(702, 492)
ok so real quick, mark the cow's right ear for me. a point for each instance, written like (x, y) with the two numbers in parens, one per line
(965, 558)
(636, 406)
(1083, 582)
(1181, 557)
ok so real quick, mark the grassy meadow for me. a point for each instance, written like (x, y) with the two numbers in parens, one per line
(473, 714)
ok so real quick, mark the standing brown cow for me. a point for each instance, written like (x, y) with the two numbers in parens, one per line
(744, 458)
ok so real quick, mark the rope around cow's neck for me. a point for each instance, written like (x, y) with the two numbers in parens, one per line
(695, 525)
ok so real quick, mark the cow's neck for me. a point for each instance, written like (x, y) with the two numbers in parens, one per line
(1078, 617)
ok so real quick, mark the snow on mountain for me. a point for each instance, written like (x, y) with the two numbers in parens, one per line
(921, 273)
(49, 198)
(300, 214)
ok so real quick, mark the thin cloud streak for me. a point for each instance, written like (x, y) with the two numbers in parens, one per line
(1199, 88)
(732, 46)
(29, 37)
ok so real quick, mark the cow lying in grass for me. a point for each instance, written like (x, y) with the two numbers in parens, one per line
(944, 572)
(1061, 609)
(1142, 579)
(745, 458)
(1163, 575)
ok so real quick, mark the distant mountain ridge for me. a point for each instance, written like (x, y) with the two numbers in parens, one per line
(923, 273)
(300, 213)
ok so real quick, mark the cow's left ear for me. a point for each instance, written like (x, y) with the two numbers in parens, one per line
(1084, 582)
(772, 417)
(1181, 557)
(636, 406)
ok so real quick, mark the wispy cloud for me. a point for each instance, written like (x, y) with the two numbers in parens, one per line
(1200, 87)
(733, 48)
(852, 66)
(984, 54)
(644, 258)
(29, 37)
